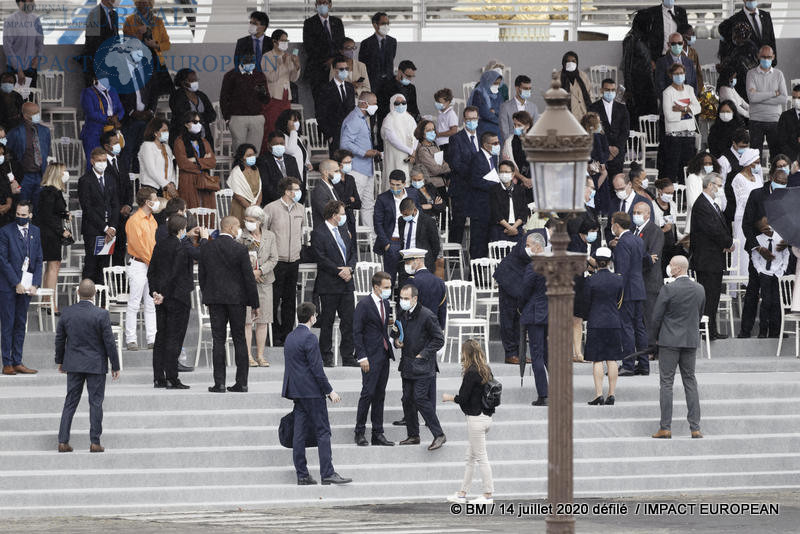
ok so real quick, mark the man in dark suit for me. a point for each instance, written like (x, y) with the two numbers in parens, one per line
(422, 339)
(334, 250)
(629, 256)
(508, 275)
(347, 189)
(336, 100)
(533, 317)
(305, 383)
(323, 37)
(676, 314)
(99, 203)
(385, 218)
(402, 83)
(760, 21)
(377, 52)
(508, 205)
(484, 166)
(20, 276)
(625, 197)
(170, 280)
(656, 23)
(616, 125)
(324, 191)
(373, 351)
(461, 148)
(124, 187)
(711, 237)
(789, 128)
(754, 211)
(84, 346)
(418, 230)
(256, 44)
(276, 166)
(432, 289)
(228, 285)
(653, 239)
(140, 106)
(675, 54)
(102, 24)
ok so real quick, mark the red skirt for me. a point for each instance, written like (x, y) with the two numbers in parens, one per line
(271, 111)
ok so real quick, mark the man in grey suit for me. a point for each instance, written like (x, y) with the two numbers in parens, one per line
(676, 317)
(84, 346)
(521, 101)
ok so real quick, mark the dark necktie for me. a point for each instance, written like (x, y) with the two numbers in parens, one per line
(716, 206)
(102, 185)
(756, 28)
(622, 206)
(343, 92)
(493, 159)
(281, 166)
(671, 14)
(383, 325)
(769, 247)
(472, 141)
(327, 30)
(410, 233)
(25, 235)
(114, 164)
(380, 46)
(257, 52)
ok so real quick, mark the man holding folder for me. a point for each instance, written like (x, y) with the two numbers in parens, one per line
(100, 215)
(484, 165)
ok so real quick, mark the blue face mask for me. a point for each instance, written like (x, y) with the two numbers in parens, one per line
(405, 304)
(336, 178)
(298, 195)
(638, 219)
(676, 49)
(386, 294)
(669, 4)
(3, 141)
(430, 136)
(518, 130)
(342, 220)
(343, 74)
(401, 108)
(6, 87)
(751, 5)
(250, 160)
(347, 167)
(692, 40)
(250, 67)
(757, 169)
(322, 10)
(678, 79)
(495, 150)
(471, 125)
(733, 82)
(525, 94)
(708, 168)
(766, 64)
(591, 237)
(396, 192)
(405, 82)
(418, 184)
(278, 150)
(741, 150)
(439, 106)
(609, 96)
(2, 159)
(786, 170)
(408, 218)
(778, 186)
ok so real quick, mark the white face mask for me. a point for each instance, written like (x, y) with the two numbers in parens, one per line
(251, 226)
(494, 89)
(505, 177)
(410, 269)
(163, 137)
(196, 128)
(283, 46)
(645, 183)
(65, 177)
(622, 195)
(796, 103)
(726, 116)
(239, 233)
(669, 271)
(155, 205)
(383, 29)
(100, 166)
(194, 86)
(252, 29)
(296, 125)
(570, 66)
(666, 198)
(372, 109)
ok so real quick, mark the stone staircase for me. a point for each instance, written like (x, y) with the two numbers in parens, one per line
(186, 450)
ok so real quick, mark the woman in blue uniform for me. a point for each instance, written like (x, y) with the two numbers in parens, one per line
(602, 297)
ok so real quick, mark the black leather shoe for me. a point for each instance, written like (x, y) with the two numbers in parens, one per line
(360, 440)
(642, 372)
(185, 369)
(216, 389)
(308, 481)
(411, 440)
(335, 478)
(437, 442)
(596, 402)
(718, 336)
(610, 400)
(743, 335)
(159, 384)
(626, 372)
(236, 388)
(177, 384)
(380, 439)
(541, 401)
(401, 422)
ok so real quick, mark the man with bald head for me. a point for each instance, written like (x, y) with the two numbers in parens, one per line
(228, 285)
(653, 238)
(676, 314)
(30, 144)
(767, 93)
(84, 346)
(675, 54)
(324, 192)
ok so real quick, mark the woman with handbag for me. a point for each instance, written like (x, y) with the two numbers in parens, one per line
(52, 219)
(195, 159)
(475, 374)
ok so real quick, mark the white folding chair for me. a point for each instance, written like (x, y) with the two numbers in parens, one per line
(710, 74)
(486, 296)
(467, 88)
(500, 249)
(461, 315)
(224, 198)
(204, 324)
(363, 278)
(458, 107)
(648, 125)
(115, 278)
(316, 140)
(785, 290)
(733, 278)
(70, 153)
(635, 149)
(41, 301)
(306, 272)
(206, 217)
(597, 74)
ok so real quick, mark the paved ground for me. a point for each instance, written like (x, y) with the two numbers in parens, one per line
(765, 514)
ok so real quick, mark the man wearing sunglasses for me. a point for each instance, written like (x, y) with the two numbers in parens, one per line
(675, 54)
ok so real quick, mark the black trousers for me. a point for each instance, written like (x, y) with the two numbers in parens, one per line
(341, 303)
(121, 246)
(416, 398)
(478, 237)
(96, 387)
(770, 317)
(223, 315)
(373, 394)
(284, 298)
(458, 219)
(172, 319)
(93, 265)
(712, 284)
(750, 306)
(676, 153)
(759, 130)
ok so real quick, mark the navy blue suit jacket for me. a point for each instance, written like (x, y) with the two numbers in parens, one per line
(511, 269)
(18, 140)
(329, 259)
(663, 79)
(13, 251)
(602, 293)
(533, 299)
(629, 255)
(385, 217)
(303, 375)
(84, 340)
(479, 197)
(459, 156)
(380, 68)
(369, 332)
(432, 293)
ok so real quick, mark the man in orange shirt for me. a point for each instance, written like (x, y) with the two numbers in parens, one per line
(141, 232)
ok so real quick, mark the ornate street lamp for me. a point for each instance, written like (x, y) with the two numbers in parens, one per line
(559, 149)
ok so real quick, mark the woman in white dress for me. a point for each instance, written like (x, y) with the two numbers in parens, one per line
(700, 165)
(747, 180)
(398, 137)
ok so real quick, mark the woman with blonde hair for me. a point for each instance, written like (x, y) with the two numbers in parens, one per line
(51, 218)
(476, 373)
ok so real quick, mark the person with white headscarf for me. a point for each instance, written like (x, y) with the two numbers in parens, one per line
(398, 136)
(747, 180)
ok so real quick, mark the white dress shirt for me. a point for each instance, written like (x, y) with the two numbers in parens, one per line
(408, 229)
(670, 26)
(609, 107)
(397, 201)
(777, 267)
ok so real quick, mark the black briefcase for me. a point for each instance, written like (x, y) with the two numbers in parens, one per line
(286, 432)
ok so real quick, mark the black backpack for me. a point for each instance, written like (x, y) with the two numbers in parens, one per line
(492, 391)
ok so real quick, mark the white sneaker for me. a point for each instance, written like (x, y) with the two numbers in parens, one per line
(457, 498)
(482, 500)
